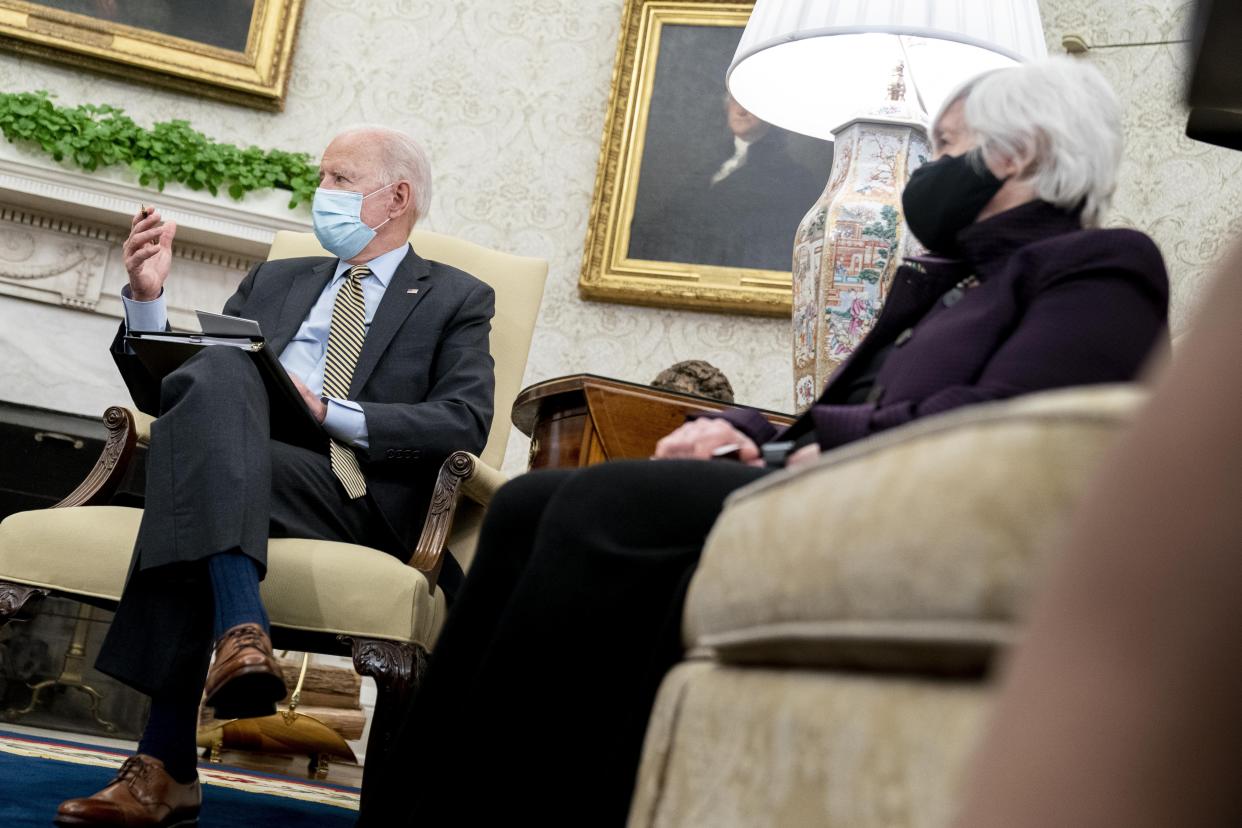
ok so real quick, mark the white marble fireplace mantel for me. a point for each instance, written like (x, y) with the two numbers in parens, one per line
(61, 271)
(111, 195)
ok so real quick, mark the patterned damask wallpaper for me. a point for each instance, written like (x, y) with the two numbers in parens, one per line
(1185, 194)
(509, 98)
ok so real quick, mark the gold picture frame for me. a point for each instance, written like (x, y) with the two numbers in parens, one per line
(648, 123)
(233, 60)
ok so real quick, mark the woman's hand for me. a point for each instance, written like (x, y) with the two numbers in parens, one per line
(697, 439)
(804, 456)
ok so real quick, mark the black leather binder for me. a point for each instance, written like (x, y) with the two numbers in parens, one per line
(162, 352)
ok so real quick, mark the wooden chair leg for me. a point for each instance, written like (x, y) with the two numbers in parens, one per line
(397, 669)
(17, 600)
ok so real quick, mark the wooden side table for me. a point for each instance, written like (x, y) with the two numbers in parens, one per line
(583, 419)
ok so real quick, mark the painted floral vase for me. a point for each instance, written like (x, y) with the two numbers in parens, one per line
(851, 241)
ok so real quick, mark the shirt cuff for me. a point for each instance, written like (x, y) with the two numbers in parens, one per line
(346, 422)
(144, 316)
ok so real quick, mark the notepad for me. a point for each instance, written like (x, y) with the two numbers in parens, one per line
(163, 352)
(217, 323)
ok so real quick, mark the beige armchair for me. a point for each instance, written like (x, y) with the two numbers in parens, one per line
(844, 617)
(321, 596)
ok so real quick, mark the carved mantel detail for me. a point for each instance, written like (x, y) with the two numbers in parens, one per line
(34, 220)
(61, 232)
(75, 263)
(63, 271)
(110, 195)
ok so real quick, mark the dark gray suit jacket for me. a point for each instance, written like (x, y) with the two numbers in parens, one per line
(425, 378)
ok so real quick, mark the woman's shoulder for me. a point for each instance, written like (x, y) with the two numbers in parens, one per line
(1110, 252)
(1116, 246)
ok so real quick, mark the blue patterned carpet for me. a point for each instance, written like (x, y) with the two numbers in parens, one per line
(33, 783)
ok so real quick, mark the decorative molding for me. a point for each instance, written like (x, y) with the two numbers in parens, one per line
(16, 600)
(216, 258)
(256, 75)
(608, 271)
(105, 477)
(458, 467)
(76, 263)
(396, 666)
(398, 669)
(66, 271)
(91, 230)
(113, 194)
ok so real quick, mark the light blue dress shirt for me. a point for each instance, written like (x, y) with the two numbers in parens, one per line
(307, 352)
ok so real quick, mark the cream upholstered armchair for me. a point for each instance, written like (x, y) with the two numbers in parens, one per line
(321, 596)
(844, 617)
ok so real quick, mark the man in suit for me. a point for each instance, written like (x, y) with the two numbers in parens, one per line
(390, 353)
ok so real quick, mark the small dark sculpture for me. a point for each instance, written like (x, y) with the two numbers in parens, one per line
(694, 376)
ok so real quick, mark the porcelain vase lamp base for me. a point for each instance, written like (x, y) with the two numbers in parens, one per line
(849, 244)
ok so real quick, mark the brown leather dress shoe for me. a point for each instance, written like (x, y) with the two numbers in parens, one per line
(142, 795)
(245, 681)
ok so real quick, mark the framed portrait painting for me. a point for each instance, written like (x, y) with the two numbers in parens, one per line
(234, 50)
(696, 200)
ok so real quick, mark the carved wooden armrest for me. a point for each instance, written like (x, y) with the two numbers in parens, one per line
(126, 429)
(461, 474)
(483, 483)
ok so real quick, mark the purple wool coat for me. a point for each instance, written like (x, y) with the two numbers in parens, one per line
(1055, 305)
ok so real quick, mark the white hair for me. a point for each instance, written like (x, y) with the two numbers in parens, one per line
(400, 159)
(1062, 113)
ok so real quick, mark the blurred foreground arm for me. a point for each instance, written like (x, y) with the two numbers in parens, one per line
(1123, 706)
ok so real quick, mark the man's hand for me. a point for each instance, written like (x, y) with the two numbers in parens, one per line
(317, 407)
(804, 456)
(697, 439)
(148, 254)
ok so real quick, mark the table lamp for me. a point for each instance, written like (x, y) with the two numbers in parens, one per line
(865, 74)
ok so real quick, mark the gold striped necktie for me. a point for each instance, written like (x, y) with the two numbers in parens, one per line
(345, 336)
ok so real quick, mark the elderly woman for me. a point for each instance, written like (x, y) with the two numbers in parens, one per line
(537, 697)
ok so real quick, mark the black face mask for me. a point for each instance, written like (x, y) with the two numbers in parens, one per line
(944, 197)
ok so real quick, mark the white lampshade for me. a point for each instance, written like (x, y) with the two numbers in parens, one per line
(811, 65)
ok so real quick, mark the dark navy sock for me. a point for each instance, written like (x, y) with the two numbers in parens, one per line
(170, 736)
(235, 586)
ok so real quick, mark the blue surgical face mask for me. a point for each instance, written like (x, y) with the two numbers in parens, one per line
(336, 216)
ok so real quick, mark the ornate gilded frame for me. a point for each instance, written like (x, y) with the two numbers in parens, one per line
(607, 272)
(257, 77)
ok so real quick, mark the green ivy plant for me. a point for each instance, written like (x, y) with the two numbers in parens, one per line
(97, 135)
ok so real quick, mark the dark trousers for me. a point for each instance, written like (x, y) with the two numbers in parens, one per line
(216, 483)
(536, 701)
